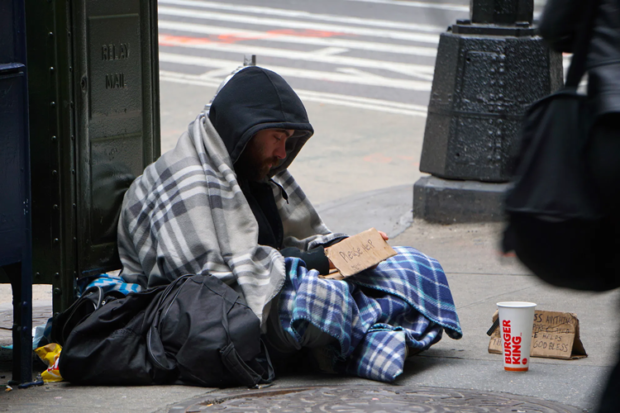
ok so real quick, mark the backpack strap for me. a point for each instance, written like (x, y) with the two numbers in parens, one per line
(242, 372)
(164, 363)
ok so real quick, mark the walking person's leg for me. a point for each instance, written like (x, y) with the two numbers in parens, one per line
(604, 160)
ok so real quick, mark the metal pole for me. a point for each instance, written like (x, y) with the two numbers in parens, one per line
(488, 71)
(504, 12)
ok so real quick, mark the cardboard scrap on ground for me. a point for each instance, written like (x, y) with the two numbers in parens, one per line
(555, 335)
(359, 252)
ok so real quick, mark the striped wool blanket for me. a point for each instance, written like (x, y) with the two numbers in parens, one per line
(186, 214)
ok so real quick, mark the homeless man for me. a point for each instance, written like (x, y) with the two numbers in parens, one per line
(223, 203)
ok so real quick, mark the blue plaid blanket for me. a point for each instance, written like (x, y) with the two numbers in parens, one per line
(375, 315)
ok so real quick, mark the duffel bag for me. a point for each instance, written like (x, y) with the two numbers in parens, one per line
(196, 330)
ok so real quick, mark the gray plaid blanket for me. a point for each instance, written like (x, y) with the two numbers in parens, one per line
(186, 214)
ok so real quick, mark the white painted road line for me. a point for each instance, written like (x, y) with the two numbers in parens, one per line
(404, 68)
(295, 14)
(189, 79)
(419, 4)
(280, 23)
(233, 34)
(330, 51)
(359, 79)
(312, 96)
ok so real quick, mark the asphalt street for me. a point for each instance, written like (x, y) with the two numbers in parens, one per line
(363, 68)
(351, 53)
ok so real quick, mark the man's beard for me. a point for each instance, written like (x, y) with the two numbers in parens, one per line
(262, 169)
(250, 167)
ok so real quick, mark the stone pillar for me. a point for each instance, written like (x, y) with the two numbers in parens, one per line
(489, 69)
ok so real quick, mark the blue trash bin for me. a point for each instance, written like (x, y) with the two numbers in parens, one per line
(15, 240)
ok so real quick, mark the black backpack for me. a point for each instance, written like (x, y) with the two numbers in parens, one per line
(197, 331)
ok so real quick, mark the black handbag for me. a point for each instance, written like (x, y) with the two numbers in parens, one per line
(551, 179)
(555, 221)
(196, 330)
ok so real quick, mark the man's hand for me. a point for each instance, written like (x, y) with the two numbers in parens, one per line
(384, 235)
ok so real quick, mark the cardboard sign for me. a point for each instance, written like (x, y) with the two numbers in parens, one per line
(333, 275)
(359, 252)
(555, 335)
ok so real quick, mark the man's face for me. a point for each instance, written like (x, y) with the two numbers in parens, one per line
(264, 151)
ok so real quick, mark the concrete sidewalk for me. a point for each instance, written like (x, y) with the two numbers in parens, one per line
(479, 277)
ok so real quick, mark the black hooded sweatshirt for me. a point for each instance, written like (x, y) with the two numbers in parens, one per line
(251, 100)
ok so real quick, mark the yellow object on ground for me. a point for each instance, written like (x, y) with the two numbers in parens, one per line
(50, 354)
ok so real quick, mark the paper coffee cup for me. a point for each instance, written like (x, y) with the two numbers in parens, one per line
(516, 320)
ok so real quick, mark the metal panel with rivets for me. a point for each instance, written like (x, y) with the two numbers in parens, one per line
(94, 102)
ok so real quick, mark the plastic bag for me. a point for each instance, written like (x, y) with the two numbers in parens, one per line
(50, 354)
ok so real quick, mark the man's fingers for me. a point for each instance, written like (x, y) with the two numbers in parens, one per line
(384, 235)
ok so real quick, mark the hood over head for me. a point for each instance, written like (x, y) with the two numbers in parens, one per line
(254, 99)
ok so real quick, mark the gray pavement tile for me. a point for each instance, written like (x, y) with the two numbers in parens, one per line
(476, 296)
(388, 210)
(462, 248)
(65, 398)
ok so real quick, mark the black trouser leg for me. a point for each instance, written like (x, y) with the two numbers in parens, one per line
(604, 161)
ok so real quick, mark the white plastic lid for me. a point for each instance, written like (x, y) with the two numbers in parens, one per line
(516, 304)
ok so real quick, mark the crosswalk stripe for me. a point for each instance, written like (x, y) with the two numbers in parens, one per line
(295, 14)
(361, 79)
(419, 4)
(423, 71)
(232, 34)
(279, 23)
(312, 96)
(330, 51)
(538, 8)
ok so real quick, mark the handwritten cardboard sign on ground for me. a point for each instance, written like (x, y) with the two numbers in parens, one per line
(359, 252)
(555, 335)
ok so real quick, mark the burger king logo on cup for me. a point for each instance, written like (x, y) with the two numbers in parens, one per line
(512, 346)
(516, 320)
